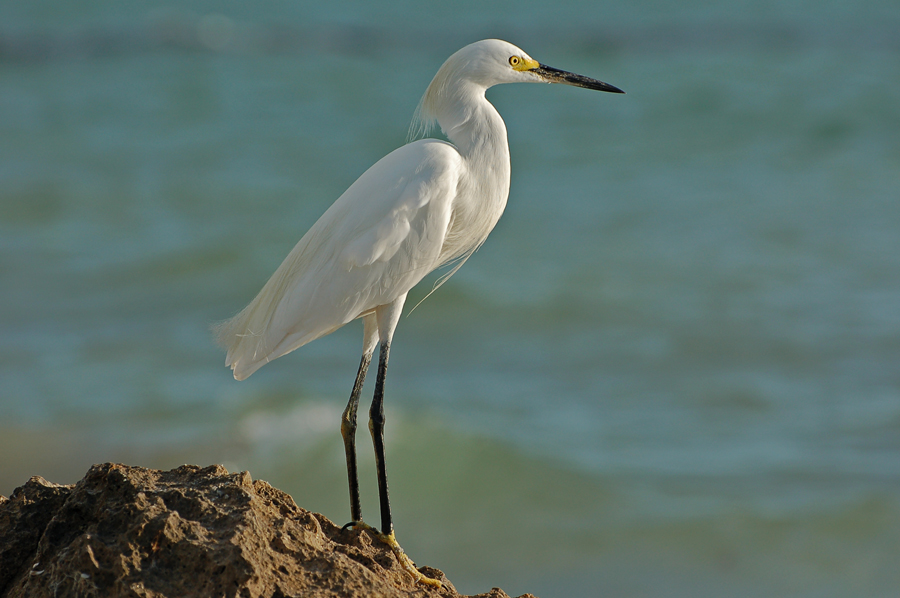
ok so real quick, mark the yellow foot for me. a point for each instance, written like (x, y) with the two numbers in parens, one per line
(405, 561)
(357, 525)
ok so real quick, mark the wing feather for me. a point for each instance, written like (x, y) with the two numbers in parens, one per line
(380, 238)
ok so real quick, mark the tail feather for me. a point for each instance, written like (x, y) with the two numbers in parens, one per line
(249, 337)
(246, 350)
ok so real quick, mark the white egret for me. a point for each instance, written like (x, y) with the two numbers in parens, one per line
(425, 205)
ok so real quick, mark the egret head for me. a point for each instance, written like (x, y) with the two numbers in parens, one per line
(483, 64)
(492, 61)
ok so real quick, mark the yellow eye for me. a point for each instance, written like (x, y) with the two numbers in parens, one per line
(514, 61)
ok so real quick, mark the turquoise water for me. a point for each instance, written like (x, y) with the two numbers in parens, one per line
(672, 370)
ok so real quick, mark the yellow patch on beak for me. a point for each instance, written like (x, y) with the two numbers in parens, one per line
(524, 64)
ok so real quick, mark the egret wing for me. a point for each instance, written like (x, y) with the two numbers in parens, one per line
(379, 239)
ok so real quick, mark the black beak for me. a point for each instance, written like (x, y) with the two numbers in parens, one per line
(552, 75)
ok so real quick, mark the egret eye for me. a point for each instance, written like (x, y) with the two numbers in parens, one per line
(514, 61)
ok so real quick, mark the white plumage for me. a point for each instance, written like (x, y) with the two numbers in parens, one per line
(381, 237)
(420, 207)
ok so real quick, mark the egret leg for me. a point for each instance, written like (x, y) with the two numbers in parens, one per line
(348, 421)
(376, 428)
(348, 431)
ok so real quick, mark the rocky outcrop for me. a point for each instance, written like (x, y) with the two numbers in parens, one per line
(128, 531)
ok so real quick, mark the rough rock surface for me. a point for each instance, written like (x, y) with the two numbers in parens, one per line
(129, 531)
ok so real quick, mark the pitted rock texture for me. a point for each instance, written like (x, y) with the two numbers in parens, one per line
(132, 532)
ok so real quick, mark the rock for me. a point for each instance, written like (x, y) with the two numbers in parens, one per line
(128, 531)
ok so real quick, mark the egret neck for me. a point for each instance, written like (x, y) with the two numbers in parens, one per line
(475, 128)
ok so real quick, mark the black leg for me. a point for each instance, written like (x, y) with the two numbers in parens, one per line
(348, 431)
(376, 427)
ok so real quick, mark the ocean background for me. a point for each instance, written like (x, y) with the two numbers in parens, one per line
(672, 370)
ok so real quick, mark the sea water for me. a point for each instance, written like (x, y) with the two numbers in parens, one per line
(672, 370)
